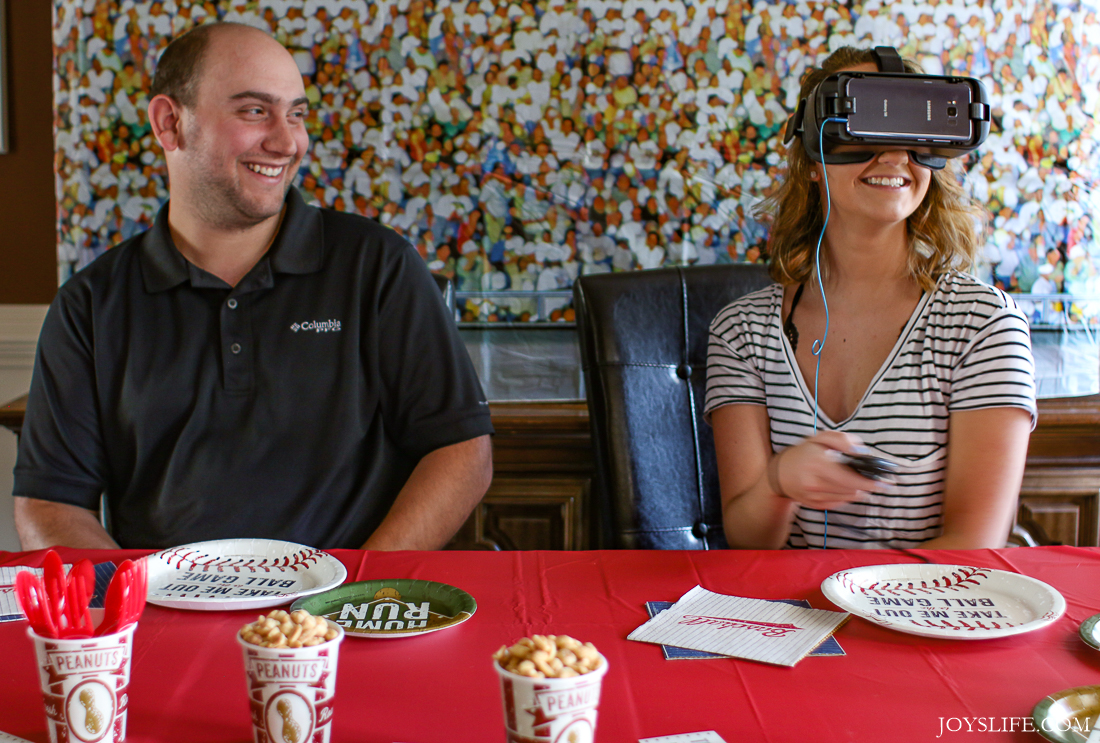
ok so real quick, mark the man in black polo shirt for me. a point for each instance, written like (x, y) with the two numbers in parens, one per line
(251, 366)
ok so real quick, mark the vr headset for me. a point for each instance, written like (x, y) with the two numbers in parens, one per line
(946, 116)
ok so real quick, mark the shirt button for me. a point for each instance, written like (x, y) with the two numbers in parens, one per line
(232, 303)
(235, 348)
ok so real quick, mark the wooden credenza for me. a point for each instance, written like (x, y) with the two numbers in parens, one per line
(544, 467)
(544, 464)
(542, 471)
(1061, 487)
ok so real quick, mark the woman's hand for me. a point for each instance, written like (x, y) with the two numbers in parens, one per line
(761, 490)
(812, 474)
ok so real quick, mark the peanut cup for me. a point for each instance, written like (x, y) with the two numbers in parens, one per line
(550, 710)
(291, 689)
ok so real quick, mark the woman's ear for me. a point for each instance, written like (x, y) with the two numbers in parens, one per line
(165, 120)
(813, 174)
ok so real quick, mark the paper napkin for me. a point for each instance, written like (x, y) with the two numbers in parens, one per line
(705, 736)
(828, 647)
(740, 627)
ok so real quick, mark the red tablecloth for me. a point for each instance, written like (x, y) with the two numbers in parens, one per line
(187, 673)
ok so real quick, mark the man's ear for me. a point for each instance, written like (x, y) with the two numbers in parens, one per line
(165, 118)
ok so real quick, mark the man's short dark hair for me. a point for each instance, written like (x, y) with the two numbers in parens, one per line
(180, 65)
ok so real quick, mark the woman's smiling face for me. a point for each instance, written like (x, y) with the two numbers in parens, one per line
(887, 188)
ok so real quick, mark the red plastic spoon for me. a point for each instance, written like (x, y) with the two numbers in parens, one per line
(32, 600)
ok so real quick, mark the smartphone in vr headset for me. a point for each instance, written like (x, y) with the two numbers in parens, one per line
(941, 116)
(932, 110)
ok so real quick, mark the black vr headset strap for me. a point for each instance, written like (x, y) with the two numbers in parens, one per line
(888, 59)
(794, 123)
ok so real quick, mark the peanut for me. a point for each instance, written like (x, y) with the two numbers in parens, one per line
(548, 656)
(279, 629)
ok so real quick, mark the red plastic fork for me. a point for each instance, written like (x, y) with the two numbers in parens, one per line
(56, 586)
(125, 598)
(85, 572)
(115, 600)
(81, 586)
(139, 605)
(136, 604)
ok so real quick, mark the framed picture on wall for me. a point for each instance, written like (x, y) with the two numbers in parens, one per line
(3, 77)
(523, 143)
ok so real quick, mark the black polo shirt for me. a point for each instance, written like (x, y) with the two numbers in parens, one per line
(292, 406)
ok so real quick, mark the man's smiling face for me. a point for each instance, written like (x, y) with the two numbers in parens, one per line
(244, 138)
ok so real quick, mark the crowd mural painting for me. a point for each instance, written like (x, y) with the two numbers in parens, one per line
(519, 145)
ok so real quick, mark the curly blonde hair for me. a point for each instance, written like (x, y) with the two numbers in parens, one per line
(944, 232)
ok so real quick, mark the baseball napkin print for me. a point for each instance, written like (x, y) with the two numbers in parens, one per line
(740, 627)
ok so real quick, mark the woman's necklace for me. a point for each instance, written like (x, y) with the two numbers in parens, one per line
(789, 328)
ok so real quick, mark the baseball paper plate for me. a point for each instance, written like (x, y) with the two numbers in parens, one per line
(391, 608)
(953, 601)
(1089, 632)
(1068, 716)
(228, 574)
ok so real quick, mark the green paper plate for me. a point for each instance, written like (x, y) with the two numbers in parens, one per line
(1088, 632)
(1068, 716)
(398, 607)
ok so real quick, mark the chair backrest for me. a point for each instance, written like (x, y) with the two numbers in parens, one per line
(447, 291)
(643, 337)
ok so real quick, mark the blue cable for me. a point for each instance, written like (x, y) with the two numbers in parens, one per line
(819, 344)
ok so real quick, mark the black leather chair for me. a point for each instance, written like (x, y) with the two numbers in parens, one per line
(643, 337)
(447, 290)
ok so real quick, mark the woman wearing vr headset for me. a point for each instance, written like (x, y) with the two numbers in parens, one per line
(924, 370)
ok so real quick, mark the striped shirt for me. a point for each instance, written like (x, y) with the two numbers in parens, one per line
(966, 347)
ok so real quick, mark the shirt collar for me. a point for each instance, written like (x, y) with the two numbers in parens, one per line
(298, 249)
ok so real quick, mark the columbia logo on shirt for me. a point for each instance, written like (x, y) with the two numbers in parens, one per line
(317, 326)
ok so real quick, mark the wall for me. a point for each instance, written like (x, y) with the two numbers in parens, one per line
(28, 213)
(19, 326)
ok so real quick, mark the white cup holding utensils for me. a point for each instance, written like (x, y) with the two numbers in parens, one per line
(85, 685)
